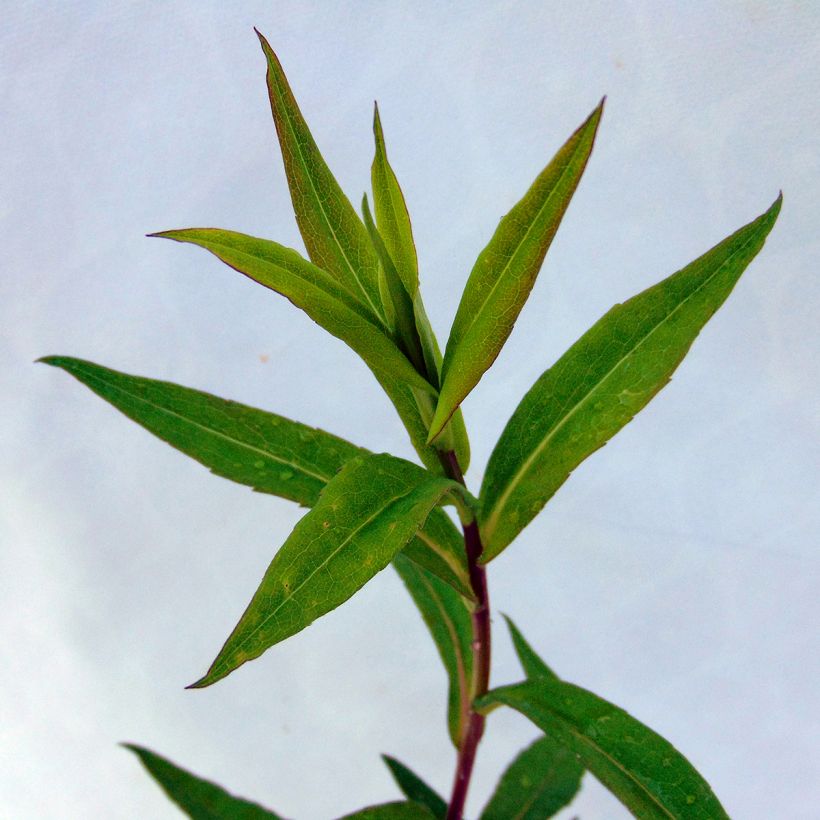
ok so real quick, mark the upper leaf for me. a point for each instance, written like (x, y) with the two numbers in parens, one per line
(415, 789)
(531, 663)
(270, 453)
(644, 771)
(505, 272)
(447, 617)
(334, 236)
(599, 384)
(364, 517)
(391, 811)
(199, 799)
(538, 783)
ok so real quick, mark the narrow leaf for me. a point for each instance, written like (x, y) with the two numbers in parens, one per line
(415, 789)
(310, 288)
(531, 663)
(644, 771)
(333, 234)
(602, 381)
(391, 811)
(199, 799)
(447, 617)
(505, 272)
(539, 782)
(269, 453)
(364, 517)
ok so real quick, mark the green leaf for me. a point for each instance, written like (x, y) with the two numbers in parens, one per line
(602, 381)
(415, 789)
(505, 272)
(269, 453)
(539, 782)
(199, 799)
(391, 811)
(310, 288)
(333, 234)
(447, 616)
(644, 771)
(364, 517)
(531, 663)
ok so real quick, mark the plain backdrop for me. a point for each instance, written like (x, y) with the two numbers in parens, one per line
(675, 574)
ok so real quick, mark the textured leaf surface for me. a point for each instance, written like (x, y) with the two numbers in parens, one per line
(269, 453)
(644, 771)
(602, 381)
(505, 272)
(365, 516)
(415, 789)
(311, 289)
(447, 617)
(199, 799)
(531, 663)
(391, 811)
(333, 234)
(539, 782)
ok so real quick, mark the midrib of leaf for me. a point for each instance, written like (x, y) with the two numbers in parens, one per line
(537, 793)
(448, 558)
(502, 501)
(306, 169)
(211, 431)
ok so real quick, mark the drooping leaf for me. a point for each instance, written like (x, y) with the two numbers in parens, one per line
(313, 290)
(415, 789)
(538, 783)
(505, 272)
(403, 810)
(364, 517)
(447, 616)
(602, 381)
(262, 450)
(333, 234)
(531, 663)
(644, 771)
(199, 799)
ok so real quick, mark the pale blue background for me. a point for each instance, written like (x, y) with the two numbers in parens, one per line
(676, 573)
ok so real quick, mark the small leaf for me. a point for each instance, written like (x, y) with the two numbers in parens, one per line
(602, 381)
(199, 799)
(644, 771)
(364, 517)
(333, 234)
(269, 453)
(447, 617)
(505, 272)
(531, 663)
(391, 811)
(310, 288)
(539, 782)
(415, 789)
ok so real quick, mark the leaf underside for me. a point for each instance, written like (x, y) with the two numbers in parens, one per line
(402, 810)
(415, 789)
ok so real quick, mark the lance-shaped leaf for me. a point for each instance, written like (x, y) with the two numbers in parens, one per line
(364, 517)
(415, 789)
(538, 783)
(531, 663)
(310, 288)
(447, 617)
(270, 453)
(391, 811)
(602, 381)
(505, 272)
(199, 799)
(644, 771)
(333, 234)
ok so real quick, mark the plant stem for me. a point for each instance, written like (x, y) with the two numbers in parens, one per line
(481, 646)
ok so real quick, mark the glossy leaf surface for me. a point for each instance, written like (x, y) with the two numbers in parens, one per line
(447, 617)
(505, 272)
(364, 517)
(391, 811)
(262, 450)
(333, 234)
(644, 771)
(539, 782)
(531, 663)
(602, 381)
(199, 799)
(415, 789)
